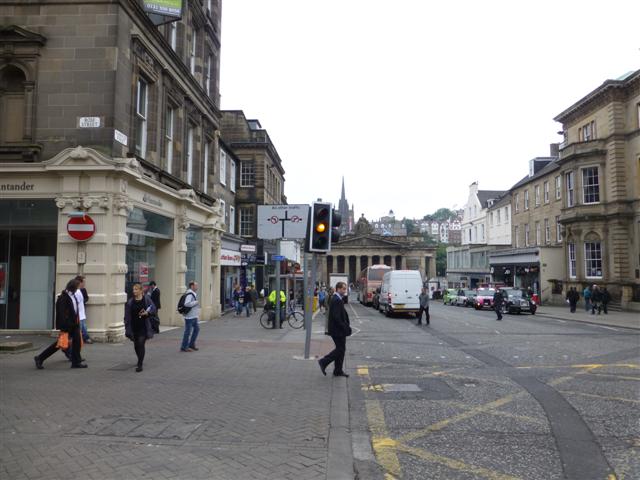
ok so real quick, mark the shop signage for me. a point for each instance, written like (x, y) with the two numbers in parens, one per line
(170, 8)
(16, 187)
(88, 122)
(120, 137)
(81, 228)
(230, 258)
(248, 248)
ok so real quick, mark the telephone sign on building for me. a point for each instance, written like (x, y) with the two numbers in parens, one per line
(81, 228)
(282, 221)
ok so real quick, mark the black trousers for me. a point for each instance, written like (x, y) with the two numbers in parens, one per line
(573, 306)
(76, 346)
(138, 346)
(337, 354)
(425, 310)
(498, 309)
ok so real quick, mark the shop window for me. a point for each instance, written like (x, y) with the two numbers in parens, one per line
(12, 105)
(148, 223)
(590, 185)
(194, 255)
(142, 102)
(247, 174)
(246, 221)
(593, 259)
(572, 260)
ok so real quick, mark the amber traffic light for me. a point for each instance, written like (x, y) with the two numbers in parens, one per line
(319, 240)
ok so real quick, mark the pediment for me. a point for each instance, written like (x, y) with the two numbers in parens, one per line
(367, 241)
(16, 34)
(88, 158)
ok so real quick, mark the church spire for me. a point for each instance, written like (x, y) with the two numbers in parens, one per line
(343, 196)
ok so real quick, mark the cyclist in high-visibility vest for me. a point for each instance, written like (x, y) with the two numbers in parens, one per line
(283, 304)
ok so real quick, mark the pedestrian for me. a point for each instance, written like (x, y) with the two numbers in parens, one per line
(596, 300)
(245, 301)
(155, 298)
(238, 298)
(339, 329)
(68, 322)
(253, 296)
(138, 312)
(586, 293)
(82, 298)
(424, 306)
(498, 301)
(321, 299)
(283, 304)
(606, 298)
(191, 319)
(572, 297)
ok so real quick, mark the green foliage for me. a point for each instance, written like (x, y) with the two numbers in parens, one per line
(441, 260)
(410, 226)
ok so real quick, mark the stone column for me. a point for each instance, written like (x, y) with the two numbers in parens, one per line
(216, 272)
(358, 266)
(404, 262)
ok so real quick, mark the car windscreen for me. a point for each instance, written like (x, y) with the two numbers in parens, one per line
(486, 292)
(377, 273)
(513, 293)
(470, 293)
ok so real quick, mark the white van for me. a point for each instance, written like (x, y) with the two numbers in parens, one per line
(400, 292)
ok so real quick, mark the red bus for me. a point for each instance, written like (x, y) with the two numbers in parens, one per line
(370, 278)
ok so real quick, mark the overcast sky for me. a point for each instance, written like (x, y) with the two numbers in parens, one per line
(413, 100)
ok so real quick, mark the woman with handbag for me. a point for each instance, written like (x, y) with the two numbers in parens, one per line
(68, 322)
(138, 314)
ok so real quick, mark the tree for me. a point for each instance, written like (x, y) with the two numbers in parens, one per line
(409, 225)
(443, 214)
(441, 260)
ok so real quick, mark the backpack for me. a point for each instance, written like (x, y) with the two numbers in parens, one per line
(181, 307)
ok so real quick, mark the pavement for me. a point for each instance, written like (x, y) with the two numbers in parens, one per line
(612, 319)
(247, 405)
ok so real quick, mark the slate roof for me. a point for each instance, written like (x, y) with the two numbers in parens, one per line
(554, 165)
(485, 195)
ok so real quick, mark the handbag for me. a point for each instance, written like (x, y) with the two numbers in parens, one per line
(155, 324)
(63, 341)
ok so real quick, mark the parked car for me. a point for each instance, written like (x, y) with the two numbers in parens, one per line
(400, 291)
(484, 298)
(375, 301)
(466, 298)
(515, 301)
(449, 296)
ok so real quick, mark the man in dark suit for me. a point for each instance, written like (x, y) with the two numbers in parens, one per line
(154, 292)
(339, 329)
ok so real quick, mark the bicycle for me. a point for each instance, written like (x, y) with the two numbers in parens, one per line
(294, 318)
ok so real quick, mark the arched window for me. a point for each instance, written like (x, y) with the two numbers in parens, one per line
(12, 104)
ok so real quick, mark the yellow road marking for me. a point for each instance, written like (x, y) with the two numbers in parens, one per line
(622, 377)
(363, 371)
(588, 365)
(383, 446)
(619, 399)
(455, 464)
(372, 388)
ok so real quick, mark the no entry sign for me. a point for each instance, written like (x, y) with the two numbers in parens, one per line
(81, 228)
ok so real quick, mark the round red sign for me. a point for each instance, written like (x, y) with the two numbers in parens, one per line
(81, 228)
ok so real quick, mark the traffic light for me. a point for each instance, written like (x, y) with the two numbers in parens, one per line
(336, 221)
(320, 228)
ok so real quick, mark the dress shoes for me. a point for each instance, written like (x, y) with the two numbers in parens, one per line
(139, 368)
(323, 367)
(39, 365)
(194, 349)
(79, 365)
(341, 374)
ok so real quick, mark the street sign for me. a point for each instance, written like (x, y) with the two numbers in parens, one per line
(248, 248)
(81, 228)
(276, 258)
(282, 221)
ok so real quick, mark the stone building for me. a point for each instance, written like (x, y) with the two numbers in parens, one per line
(364, 248)
(600, 170)
(535, 259)
(261, 182)
(105, 114)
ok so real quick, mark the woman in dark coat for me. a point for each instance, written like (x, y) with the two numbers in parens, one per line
(137, 324)
(67, 320)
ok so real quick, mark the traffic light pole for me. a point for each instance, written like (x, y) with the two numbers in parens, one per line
(308, 313)
(276, 321)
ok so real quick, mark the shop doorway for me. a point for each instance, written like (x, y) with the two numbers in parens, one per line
(27, 278)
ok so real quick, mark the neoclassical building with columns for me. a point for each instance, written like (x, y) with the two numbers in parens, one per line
(356, 252)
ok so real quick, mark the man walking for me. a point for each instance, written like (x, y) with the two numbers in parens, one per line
(424, 306)
(82, 297)
(154, 293)
(191, 319)
(596, 299)
(339, 329)
(606, 298)
(498, 301)
(573, 296)
(586, 293)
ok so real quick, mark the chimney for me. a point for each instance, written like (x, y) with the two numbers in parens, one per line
(554, 150)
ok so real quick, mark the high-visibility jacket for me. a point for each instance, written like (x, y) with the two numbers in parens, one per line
(272, 297)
